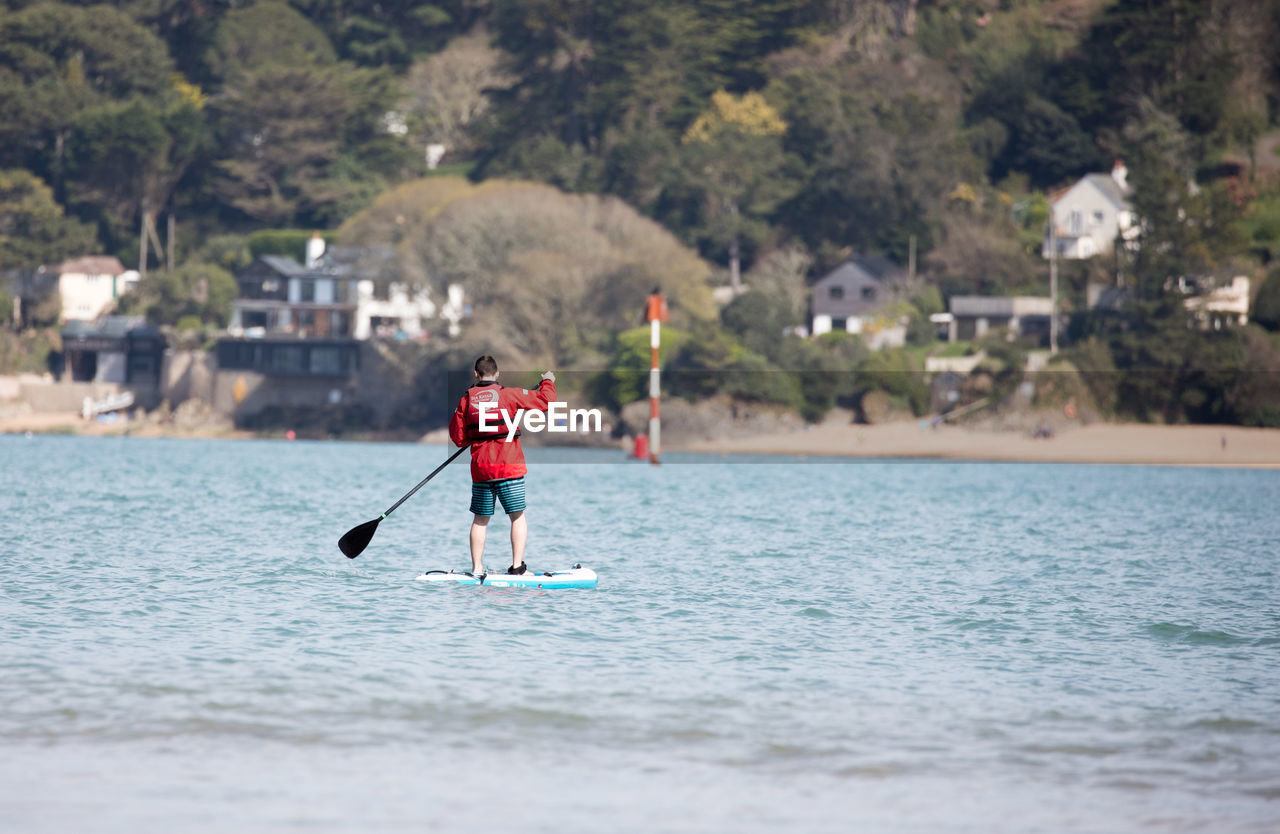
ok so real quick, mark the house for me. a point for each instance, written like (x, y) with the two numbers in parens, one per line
(1088, 217)
(1211, 307)
(89, 285)
(386, 307)
(1225, 306)
(851, 298)
(973, 316)
(121, 349)
(343, 292)
(263, 305)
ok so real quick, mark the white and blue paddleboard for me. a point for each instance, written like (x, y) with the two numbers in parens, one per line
(575, 577)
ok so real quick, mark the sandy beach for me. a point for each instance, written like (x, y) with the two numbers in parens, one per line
(1096, 443)
(70, 422)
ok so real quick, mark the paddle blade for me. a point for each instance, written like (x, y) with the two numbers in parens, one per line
(357, 538)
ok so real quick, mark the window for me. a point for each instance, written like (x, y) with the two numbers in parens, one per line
(835, 293)
(326, 360)
(286, 359)
(868, 293)
(840, 324)
(1097, 218)
(308, 291)
(1076, 223)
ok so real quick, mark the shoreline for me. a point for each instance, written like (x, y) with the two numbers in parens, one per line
(1103, 443)
(1100, 443)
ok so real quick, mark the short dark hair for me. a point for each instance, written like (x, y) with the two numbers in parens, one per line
(486, 366)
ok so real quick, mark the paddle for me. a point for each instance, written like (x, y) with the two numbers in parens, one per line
(357, 538)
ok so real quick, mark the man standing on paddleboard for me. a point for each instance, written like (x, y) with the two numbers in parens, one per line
(486, 420)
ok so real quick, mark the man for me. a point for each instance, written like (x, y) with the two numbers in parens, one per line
(497, 461)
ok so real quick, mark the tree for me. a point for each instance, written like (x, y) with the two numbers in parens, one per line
(882, 149)
(734, 166)
(56, 61)
(390, 32)
(1188, 229)
(33, 230)
(1266, 304)
(126, 159)
(1049, 145)
(303, 135)
(756, 321)
(446, 93)
(1176, 53)
(549, 276)
(204, 291)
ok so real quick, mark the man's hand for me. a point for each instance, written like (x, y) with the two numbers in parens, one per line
(549, 375)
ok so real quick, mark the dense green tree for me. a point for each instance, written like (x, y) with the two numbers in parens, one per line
(735, 175)
(1188, 230)
(56, 62)
(302, 134)
(1049, 145)
(1175, 53)
(127, 158)
(202, 290)
(756, 321)
(1266, 304)
(391, 32)
(882, 156)
(33, 229)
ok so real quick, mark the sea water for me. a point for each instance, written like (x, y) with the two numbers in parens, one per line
(775, 645)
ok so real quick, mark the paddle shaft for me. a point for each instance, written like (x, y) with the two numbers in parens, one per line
(423, 482)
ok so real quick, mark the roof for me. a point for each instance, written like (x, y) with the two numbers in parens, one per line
(358, 261)
(859, 278)
(871, 266)
(983, 305)
(282, 264)
(1107, 185)
(110, 327)
(1113, 298)
(90, 265)
(1103, 182)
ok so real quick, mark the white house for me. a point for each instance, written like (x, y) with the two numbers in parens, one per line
(1087, 217)
(89, 285)
(342, 292)
(1222, 306)
(402, 310)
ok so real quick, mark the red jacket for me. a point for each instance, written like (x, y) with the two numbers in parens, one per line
(492, 457)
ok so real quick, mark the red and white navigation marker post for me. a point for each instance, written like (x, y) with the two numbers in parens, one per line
(656, 313)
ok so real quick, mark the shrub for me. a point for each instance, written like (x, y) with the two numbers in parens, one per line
(1266, 304)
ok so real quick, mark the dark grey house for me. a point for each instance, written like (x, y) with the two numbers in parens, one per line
(122, 349)
(280, 296)
(849, 297)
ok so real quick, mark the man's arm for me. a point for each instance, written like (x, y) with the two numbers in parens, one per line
(458, 426)
(536, 400)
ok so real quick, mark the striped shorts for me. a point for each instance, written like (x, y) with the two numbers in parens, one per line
(510, 492)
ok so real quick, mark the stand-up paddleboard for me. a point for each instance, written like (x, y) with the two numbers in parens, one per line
(576, 577)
